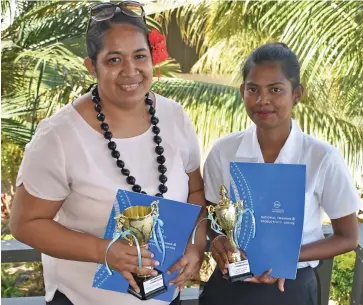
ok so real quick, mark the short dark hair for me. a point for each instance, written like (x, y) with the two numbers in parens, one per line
(275, 52)
(97, 29)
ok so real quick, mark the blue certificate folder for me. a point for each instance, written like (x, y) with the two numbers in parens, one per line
(179, 219)
(276, 193)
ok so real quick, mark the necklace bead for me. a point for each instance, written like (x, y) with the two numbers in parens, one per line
(162, 169)
(98, 108)
(108, 135)
(120, 163)
(115, 154)
(156, 130)
(160, 159)
(154, 120)
(136, 188)
(104, 126)
(163, 178)
(159, 150)
(157, 140)
(111, 145)
(125, 172)
(101, 117)
(152, 110)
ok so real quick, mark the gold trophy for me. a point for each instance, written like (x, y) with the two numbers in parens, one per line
(139, 221)
(226, 216)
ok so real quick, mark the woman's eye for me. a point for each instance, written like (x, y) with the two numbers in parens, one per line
(114, 60)
(276, 90)
(140, 56)
(252, 90)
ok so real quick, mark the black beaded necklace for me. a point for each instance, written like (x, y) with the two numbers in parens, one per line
(116, 154)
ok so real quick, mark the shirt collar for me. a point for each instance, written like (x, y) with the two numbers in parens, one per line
(289, 154)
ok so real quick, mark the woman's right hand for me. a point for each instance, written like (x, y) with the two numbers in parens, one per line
(220, 248)
(123, 258)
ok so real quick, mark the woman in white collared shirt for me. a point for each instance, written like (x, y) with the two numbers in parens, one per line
(271, 88)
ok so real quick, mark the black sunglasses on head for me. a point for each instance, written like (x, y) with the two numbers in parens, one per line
(104, 11)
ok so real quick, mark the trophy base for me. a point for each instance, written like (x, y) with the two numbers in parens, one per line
(150, 287)
(238, 271)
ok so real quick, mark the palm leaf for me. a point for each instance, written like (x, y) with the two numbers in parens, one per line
(326, 35)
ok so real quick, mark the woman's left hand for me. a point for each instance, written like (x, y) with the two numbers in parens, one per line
(266, 279)
(190, 263)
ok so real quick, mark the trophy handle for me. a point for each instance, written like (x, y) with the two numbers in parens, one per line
(239, 206)
(211, 209)
(120, 225)
(155, 208)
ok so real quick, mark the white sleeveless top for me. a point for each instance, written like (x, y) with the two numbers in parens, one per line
(68, 160)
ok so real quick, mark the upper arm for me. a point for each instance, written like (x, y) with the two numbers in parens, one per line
(26, 208)
(196, 183)
(346, 226)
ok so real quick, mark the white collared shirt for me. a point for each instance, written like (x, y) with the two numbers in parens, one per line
(329, 186)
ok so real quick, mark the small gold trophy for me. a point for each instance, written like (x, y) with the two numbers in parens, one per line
(227, 214)
(139, 220)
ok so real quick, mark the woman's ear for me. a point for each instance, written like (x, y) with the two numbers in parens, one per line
(298, 94)
(90, 66)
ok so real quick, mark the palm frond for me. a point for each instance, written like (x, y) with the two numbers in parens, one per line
(51, 22)
(326, 35)
(16, 132)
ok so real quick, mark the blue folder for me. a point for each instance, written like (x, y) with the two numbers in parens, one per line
(276, 193)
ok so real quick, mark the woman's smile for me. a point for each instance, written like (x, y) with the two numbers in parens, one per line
(130, 87)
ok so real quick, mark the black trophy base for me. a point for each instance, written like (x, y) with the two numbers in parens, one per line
(237, 278)
(238, 271)
(150, 287)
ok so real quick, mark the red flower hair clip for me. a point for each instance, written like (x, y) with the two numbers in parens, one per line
(158, 47)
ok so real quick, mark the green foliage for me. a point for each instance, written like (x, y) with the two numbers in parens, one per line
(342, 278)
(8, 286)
(21, 279)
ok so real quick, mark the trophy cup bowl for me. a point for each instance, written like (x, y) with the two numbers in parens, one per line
(226, 214)
(139, 220)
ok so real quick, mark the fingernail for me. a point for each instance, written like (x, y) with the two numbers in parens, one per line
(156, 263)
(171, 284)
(137, 290)
(168, 273)
(152, 255)
(154, 273)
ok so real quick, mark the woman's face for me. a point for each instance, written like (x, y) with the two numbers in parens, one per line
(269, 96)
(124, 67)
